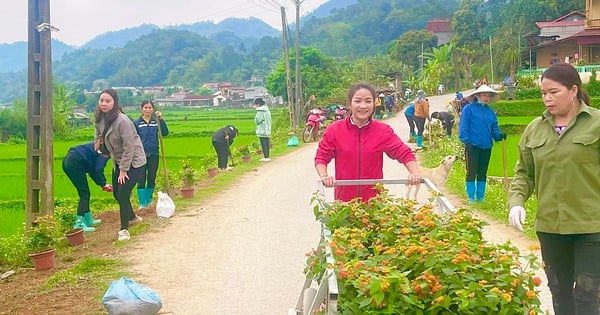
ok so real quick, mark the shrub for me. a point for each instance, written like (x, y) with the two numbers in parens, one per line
(41, 236)
(391, 258)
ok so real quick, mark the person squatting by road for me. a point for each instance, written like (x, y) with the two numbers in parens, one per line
(421, 114)
(116, 134)
(361, 141)
(447, 120)
(222, 140)
(559, 161)
(81, 160)
(147, 128)
(477, 128)
(263, 127)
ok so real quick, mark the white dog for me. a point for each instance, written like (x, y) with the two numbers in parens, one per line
(438, 175)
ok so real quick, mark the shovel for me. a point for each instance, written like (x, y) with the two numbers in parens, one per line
(164, 160)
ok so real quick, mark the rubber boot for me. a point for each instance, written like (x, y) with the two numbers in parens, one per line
(89, 220)
(480, 193)
(413, 134)
(80, 224)
(141, 192)
(419, 141)
(471, 192)
(149, 193)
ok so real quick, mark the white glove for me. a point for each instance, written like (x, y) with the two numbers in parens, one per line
(516, 217)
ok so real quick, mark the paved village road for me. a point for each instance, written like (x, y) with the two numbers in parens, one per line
(243, 251)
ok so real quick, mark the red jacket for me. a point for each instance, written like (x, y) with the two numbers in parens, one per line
(358, 154)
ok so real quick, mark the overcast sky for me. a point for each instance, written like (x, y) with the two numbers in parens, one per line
(81, 20)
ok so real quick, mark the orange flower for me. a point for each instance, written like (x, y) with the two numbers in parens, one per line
(530, 294)
(537, 281)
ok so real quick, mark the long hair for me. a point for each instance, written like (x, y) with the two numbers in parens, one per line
(568, 76)
(113, 113)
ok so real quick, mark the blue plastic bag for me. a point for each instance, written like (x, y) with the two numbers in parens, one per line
(126, 296)
(293, 142)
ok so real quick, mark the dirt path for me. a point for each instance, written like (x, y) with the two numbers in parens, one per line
(243, 252)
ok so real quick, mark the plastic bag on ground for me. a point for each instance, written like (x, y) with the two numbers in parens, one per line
(165, 207)
(293, 142)
(127, 297)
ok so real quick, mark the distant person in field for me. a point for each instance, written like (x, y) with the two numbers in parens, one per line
(81, 160)
(222, 140)
(357, 143)
(147, 126)
(116, 135)
(263, 127)
(409, 113)
(421, 115)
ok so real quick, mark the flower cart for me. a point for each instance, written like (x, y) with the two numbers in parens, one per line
(392, 256)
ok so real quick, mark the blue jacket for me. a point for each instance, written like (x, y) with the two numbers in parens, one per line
(478, 126)
(148, 132)
(410, 109)
(93, 162)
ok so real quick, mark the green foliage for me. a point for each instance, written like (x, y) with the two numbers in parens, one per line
(593, 86)
(98, 271)
(64, 218)
(41, 236)
(187, 173)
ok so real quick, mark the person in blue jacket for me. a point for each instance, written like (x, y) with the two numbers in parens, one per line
(147, 128)
(81, 160)
(477, 129)
(409, 113)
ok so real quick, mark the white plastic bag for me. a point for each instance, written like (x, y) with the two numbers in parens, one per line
(127, 297)
(165, 207)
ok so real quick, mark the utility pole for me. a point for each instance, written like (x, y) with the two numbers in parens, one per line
(40, 182)
(288, 76)
(299, 103)
(491, 63)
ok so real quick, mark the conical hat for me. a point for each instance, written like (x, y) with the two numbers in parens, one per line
(483, 89)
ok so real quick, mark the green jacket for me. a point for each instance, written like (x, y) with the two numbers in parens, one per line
(263, 121)
(563, 171)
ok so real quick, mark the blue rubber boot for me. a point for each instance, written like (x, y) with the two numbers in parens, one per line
(149, 193)
(471, 191)
(89, 220)
(80, 224)
(480, 193)
(413, 134)
(419, 141)
(141, 192)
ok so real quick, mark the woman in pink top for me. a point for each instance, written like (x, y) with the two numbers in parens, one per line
(357, 143)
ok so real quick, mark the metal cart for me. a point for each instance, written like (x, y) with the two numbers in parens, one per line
(326, 293)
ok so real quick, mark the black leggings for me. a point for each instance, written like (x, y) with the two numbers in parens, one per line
(478, 161)
(264, 144)
(222, 150)
(122, 193)
(411, 122)
(420, 122)
(572, 259)
(149, 172)
(73, 165)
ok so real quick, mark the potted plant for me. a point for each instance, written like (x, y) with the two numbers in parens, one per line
(188, 179)
(244, 151)
(209, 163)
(256, 148)
(40, 242)
(66, 222)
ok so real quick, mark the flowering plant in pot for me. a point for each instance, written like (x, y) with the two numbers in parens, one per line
(65, 220)
(188, 178)
(391, 257)
(40, 241)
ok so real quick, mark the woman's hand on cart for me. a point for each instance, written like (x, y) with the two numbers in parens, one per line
(328, 181)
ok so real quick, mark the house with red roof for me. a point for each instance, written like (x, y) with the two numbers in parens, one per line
(572, 38)
(442, 28)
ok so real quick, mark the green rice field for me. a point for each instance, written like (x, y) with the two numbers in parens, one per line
(189, 138)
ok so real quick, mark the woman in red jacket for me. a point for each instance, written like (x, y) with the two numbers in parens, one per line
(358, 143)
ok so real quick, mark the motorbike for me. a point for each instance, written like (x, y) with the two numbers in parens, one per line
(314, 126)
(407, 94)
(340, 112)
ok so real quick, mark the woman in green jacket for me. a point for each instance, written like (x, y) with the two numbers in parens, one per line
(559, 160)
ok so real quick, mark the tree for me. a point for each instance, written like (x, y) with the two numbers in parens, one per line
(407, 49)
